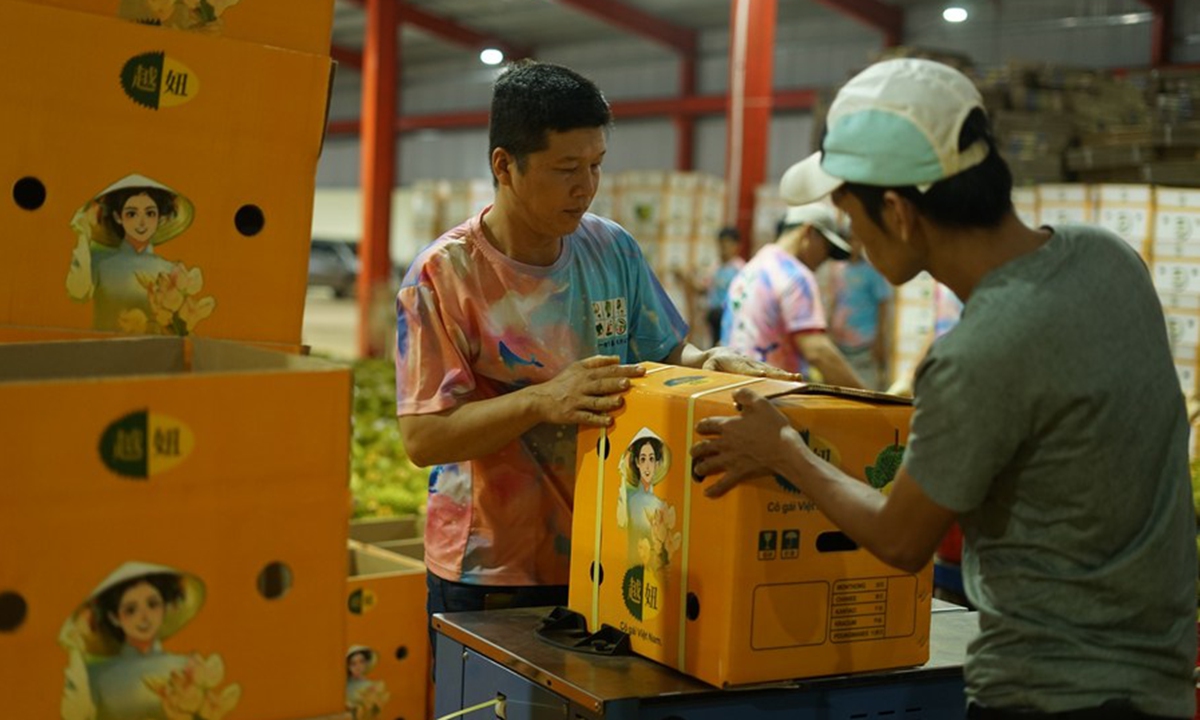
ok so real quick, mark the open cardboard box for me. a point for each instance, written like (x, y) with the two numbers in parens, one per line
(208, 472)
(756, 586)
(162, 182)
(387, 653)
(305, 26)
(402, 535)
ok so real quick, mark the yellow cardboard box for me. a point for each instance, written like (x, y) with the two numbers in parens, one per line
(173, 520)
(305, 25)
(758, 585)
(162, 182)
(387, 633)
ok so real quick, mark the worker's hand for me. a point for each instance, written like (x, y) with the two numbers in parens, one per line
(586, 392)
(722, 359)
(756, 443)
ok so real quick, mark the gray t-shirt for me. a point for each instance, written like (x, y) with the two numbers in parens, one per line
(1052, 421)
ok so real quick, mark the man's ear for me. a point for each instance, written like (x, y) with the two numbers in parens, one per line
(503, 166)
(900, 215)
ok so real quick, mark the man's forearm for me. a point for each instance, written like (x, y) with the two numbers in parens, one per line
(469, 431)
(823, 355)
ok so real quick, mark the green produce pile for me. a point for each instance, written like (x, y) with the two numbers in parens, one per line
(382, 478)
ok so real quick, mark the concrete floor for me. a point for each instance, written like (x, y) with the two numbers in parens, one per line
(330, 325)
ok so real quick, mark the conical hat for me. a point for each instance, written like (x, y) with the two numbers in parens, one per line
(83, 627)
(88, 219)
(643, 434)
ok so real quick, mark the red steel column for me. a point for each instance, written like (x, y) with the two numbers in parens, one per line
(752, 46)
(1161, 38)
(377, 148)
(685, 124)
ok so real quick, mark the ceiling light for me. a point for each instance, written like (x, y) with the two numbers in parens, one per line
(954, 14)
(491, 56)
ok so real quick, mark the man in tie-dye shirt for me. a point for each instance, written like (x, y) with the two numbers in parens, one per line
(515, 327)
(774, 311)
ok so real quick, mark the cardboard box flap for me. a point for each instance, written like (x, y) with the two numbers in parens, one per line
(838, 391)
(142, 356)
(368, 560)
(688, 382)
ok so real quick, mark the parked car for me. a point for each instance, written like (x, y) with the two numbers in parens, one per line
(333, 264)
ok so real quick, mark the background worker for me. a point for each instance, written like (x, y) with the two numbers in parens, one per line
(714, 284)
(774, 311)
(1048, 422)
(860, 315)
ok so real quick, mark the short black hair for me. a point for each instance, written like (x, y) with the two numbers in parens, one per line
(531, 99)
(980, 197)
(729, 233)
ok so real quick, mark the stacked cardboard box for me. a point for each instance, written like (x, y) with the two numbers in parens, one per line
(162, 184)
(1159, 144)
(914, 325)
(227, 135)
(675, 217)
(769, 209)
(1065, 203)
(201, 477)
(1128, 211)
(1176, 266)
(1025, 203)
(388, 657)
(464, 199)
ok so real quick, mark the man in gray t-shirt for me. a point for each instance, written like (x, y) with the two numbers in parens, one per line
(1049, 423)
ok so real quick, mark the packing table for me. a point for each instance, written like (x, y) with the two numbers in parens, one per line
(486, 656)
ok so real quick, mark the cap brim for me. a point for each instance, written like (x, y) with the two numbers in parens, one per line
(806, 182)
(837, 241)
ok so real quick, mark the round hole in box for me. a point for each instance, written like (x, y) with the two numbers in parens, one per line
(592, 573)
(13, 610)
(602, 446)
(693, 606)
(29, 193)
(274, 581)
(401, 652)
(249, 220)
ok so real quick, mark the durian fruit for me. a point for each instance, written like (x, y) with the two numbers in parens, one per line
(887, 464)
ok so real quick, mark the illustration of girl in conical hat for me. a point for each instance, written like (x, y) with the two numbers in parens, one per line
(115, 263)
(645, 464)
(203, 15)
(117, 668)
(365, 698)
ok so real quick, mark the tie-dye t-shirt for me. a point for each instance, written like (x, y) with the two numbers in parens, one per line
(772, 298)
(475, 324)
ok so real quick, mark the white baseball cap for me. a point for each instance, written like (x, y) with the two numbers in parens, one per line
(895, 124)
(823, 218)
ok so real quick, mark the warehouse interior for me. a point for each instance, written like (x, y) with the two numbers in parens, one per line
(208, 508)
